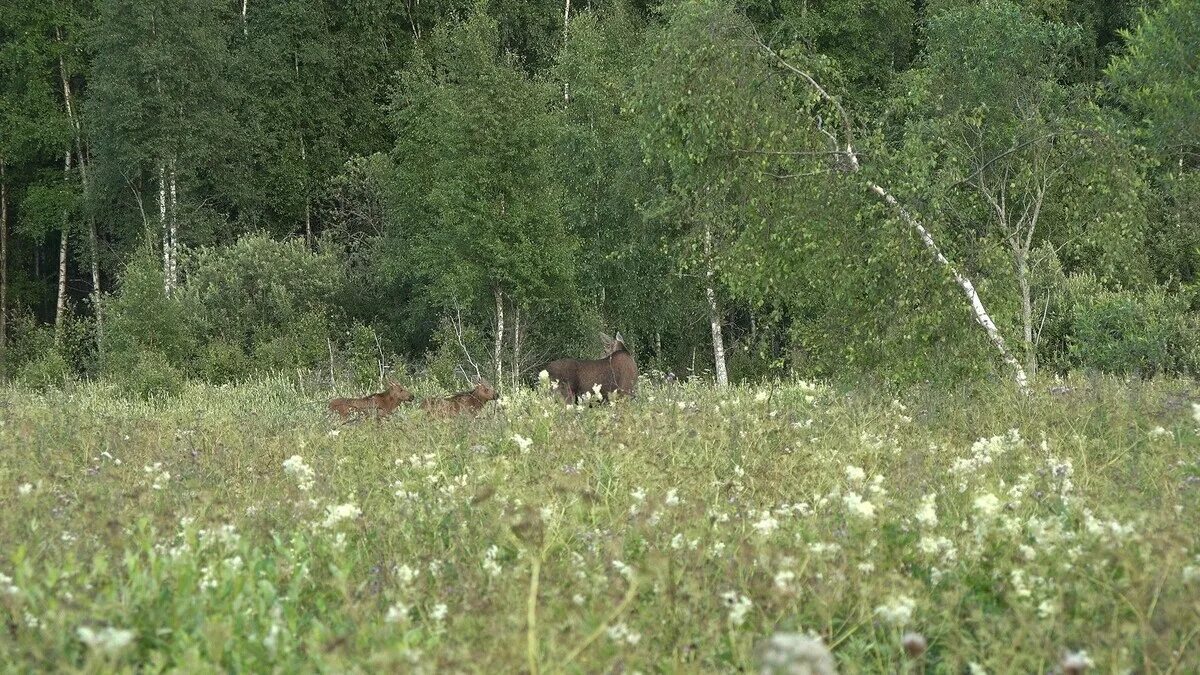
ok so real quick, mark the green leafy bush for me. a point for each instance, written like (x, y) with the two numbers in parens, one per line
(150, 375)
(270, 299)
(141, 317)
(49, 370)
(1130, 331)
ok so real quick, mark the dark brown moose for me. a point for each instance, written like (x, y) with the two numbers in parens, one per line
(615, 373)
(470, 402)
(381, 404)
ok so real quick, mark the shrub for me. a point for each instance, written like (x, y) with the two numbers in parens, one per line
(270, 299)
(140, 317)
(50, 370)
(150, 375)
(1130, 331)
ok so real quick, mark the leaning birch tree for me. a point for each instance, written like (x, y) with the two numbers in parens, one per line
(843, 156)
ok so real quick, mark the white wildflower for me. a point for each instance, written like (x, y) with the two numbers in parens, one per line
(522, 442)
(739, 606)
(987, 504)
(619, 632)
(439, 611)
(1191, 574)
(6, 585)
(303, 473)
(489, 561)
(897, 611)
(623, 569)
(107, 639)
(405, 574)
(25, 489)
(1047, 608)
(855, 474)
(766, 523)
(340, 512)
(1159, 432)
(927, 514)
(1076, 662)
(396, 613)
(858, 507)
(1196, 412)
(795, 654)
(672, 498)
(161, 476)
(784, 579)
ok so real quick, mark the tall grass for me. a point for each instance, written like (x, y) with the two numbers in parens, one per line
(675, 532)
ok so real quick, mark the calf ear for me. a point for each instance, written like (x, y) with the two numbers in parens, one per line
(607, 339)
(619, 338)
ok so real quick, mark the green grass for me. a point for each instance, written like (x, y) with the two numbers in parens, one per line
(673, 533)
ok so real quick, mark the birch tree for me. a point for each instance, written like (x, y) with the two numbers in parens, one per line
(843, 153)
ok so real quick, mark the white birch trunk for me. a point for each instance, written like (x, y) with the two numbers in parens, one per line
(499, 295)
(566, 23)
(3, 259)
(516, 356)
(1022, 264)
(93, 239)
(245, 27)
(308, 233)
(162, 221)
(714, 310)
(174, 215)
(60, 306)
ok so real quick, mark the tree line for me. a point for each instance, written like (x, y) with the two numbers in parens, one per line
(907, 190)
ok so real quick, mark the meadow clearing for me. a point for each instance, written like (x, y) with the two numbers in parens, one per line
(242, 529)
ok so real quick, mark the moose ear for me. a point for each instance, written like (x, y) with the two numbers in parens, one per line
(619, 338)
(607, 340)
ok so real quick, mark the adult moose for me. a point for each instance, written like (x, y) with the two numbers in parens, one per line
(615, 373)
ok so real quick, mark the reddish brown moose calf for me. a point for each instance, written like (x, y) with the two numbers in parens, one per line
(616, 373)
(381, 404)
(469, 402)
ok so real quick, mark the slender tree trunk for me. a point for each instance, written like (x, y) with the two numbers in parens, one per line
(60, 306)
(714, 311)
(499, 295)
(566, 23)
(308, 232)
(3, 260)
(516, 359)
(162, 221)
(245, 26)
(1022, 264)
(93, 239)
(174, 230)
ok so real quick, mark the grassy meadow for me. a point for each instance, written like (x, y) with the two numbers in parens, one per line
(242, 529)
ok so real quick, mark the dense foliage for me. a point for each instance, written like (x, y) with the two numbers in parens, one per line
(211, 189)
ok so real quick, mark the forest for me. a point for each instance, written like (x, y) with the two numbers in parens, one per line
(907, 191)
